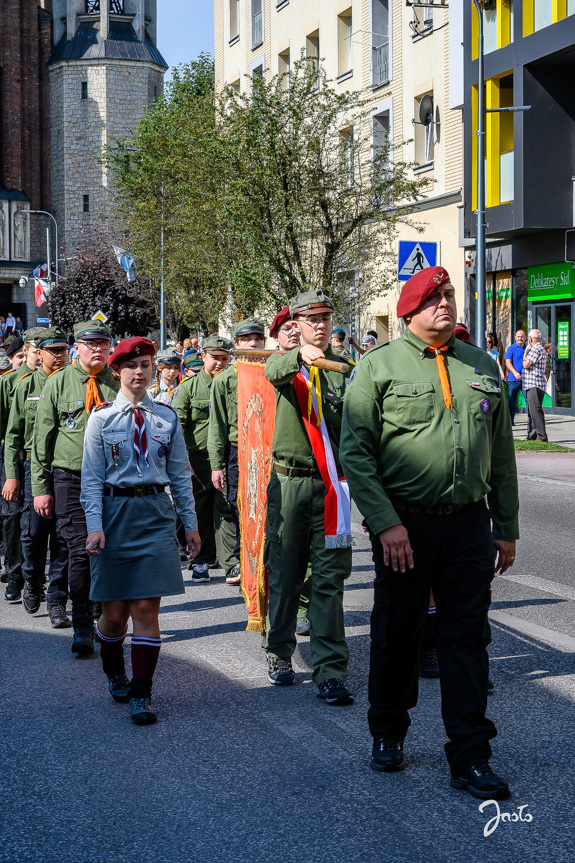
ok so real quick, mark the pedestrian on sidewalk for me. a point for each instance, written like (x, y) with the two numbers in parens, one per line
(514, 364)
(134, 448)
(427, 449)
(534, 384)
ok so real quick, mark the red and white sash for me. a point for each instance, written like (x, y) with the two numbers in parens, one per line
(337, 502)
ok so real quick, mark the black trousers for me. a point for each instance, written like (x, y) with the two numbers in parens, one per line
(232, 482)
(67, 487)
(536, 415)
(454, 556)
(11, 512)
(37, 532)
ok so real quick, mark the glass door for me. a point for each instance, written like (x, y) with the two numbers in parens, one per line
(555, 322)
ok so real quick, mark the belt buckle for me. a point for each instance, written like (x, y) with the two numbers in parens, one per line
(449, 508)
(139, 491)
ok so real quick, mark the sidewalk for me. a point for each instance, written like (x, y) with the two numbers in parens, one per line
(556, 467)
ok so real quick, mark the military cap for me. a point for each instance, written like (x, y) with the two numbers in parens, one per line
(51, 338)
(217, 343)
(280, 319)
(130, 349)
(247, 327)
(309, 301)
(15, 345)
(169, 357)
(192, 358)
(91, 330)
(10, 339)
(32, 333)
(5, 364)
(418, 288)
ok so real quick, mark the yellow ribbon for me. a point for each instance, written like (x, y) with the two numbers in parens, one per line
(314, 384)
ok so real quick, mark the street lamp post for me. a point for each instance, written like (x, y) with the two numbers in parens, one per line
(46, 213)
(481, 307)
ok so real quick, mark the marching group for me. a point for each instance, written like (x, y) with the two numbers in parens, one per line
(418, 434)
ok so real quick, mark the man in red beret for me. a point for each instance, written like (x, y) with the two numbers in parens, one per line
(428, 453)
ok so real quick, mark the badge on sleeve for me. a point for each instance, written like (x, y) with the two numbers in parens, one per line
(484, 406)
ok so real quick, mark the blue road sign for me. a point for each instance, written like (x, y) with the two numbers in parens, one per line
(414, 256)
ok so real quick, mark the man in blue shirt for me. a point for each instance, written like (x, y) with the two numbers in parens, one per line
(514, 364)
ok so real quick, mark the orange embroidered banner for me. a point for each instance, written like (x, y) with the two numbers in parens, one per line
(256, 418)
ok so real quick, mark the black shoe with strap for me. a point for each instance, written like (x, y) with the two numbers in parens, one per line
(387, 755)
(482, 782)
(335, 692)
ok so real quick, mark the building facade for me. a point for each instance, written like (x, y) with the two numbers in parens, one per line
(530, 171)
(74, 76)
(398, 56)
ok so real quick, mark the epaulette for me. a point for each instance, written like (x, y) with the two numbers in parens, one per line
(55, 372)
(165, 405)
(25, 375)
(102, 405)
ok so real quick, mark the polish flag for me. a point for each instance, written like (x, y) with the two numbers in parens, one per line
(41, 291)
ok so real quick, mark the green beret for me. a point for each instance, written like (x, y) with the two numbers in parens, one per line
(309, 301)
(217, 343)
(247, 327)
(338, 330)
(92, 330)
(33, 333)
(51, 338)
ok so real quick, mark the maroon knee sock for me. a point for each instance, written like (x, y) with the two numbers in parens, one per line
(145, 652)
(111, 652)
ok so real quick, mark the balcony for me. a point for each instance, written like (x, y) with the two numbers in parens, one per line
(380, 65)
(257, 29)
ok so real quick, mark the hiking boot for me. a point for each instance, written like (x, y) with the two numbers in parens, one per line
(335, 692)
(119, 687)
(280, 671)
(58, 617)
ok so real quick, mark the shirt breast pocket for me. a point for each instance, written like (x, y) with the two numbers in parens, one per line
(414, 402)
(484, 398)
(70, 411)
(116, 447)
(199, 409)
(161, 443)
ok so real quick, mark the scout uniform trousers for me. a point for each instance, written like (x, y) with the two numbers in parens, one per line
(215, 522)
(37, 532)
(296, 536)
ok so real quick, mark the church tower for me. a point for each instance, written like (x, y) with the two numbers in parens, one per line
(105, 69)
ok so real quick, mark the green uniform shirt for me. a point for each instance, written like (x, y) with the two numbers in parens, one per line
(21, 420)
(291, 446)
(7, 386)
(58, 439)
(399, 438)
(191, 402)
(223, 426)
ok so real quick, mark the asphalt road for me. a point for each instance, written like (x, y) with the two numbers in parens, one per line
(237, 770)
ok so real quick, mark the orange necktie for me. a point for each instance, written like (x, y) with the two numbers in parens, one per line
(442, 374)
(92, 394)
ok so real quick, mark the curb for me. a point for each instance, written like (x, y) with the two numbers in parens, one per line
(551, 479)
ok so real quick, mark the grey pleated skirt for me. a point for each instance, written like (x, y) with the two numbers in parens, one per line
(141, 559)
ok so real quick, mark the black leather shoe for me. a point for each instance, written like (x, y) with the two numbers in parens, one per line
(83, 643)
(31, 599)
(387, 755)
(58, 617)
(482, 782)
(4, 576)
(13, 592)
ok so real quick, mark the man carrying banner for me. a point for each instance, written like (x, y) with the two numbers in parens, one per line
(308, 505)
(223, 428)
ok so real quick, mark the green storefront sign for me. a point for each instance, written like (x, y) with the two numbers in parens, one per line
(551, 282)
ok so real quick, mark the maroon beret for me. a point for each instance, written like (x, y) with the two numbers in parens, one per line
(130, 349)
(418, 288)
(461, 333)
(280, 319)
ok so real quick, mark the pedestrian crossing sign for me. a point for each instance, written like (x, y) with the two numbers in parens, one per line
(100, 316)
(414, 256)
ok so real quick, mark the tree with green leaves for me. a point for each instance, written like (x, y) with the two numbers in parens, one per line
(94, 281)
(262, 195)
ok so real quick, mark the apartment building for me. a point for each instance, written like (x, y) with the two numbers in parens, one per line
(399, 56)
(530, 170)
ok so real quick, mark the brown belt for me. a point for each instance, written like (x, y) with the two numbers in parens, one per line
(426, 509)
(296, 471)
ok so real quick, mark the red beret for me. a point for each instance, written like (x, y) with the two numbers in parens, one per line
(280, 319)
(418, 288)
(461, 333)
(129, 349)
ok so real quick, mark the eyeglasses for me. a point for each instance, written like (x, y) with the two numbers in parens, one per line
(286, 328)
(55, 351)
(315, 321)
(103, 345)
